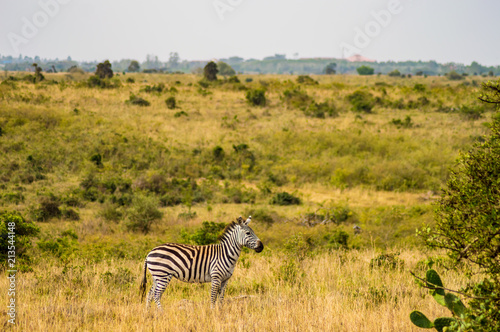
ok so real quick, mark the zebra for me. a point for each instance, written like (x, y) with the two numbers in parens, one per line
(213, 263)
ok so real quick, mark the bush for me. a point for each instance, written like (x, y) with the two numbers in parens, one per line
(321, 110)
(134, 100)
(285, 198)
(262, 216)
(256, 97)
(467, 227)
(394, 73)
(361, 101)
(307, 80)
(143, 213)
(154, 88)
(208, 233)
(365, 70)
(337, 240)
(16, 233)
(179, 114)
(454, 76)
(47, 208)
(170, 101)
(296, 98)
(406, 123)
(61, 247)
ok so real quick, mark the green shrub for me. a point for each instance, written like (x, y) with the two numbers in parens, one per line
(47, 208)
(284, 198)
(62, 247)
(135, 100)
(233, 79)
(154, 88)
(361, 101)
(394, 73)
(406, 123)
(454, 76)
(365, 70)
(467, 226)
(143, 213)
(130, 80)
(473, 112)
(306, 80)
(296, 98)
(208, 233)
(111, 212)
(261, 215)
(180, 113)
(170, 101)
(256, 97)
(321, 110)
(337, 240)
(218, 153)
(419, 87)
(69, 213)
(15, 235)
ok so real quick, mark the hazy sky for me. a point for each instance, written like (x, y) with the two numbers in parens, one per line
(442, 30)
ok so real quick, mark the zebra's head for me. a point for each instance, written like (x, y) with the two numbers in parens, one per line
(247, 236)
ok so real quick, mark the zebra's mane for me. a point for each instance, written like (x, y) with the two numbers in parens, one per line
(228, 229)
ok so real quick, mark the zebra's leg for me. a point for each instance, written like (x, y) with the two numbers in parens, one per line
(149, 298)
(160, 285)
(214, 290)
(222, 290)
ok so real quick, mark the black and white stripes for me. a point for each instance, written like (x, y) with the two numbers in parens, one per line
(212, 263)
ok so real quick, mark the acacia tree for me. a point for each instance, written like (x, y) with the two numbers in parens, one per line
(468, 223)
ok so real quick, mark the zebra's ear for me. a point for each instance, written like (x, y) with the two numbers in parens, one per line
(248, 220)
(240, 220)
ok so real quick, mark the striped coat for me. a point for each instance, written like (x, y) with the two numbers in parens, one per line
(211, 263)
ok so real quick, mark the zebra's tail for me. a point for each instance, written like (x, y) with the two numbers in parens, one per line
(142, 289)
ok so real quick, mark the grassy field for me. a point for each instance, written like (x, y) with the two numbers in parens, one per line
(83, 162)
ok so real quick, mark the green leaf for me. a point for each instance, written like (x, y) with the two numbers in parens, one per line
(442, 322)
(433, 280)
(420, 320)
(455, 305)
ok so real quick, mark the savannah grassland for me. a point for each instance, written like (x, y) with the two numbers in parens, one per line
(80, 162)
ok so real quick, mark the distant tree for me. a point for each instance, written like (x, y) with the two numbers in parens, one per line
(225, 69)
(454, 76)
(394, 73)
(173, 60)
(38, 74)
(365, 70)
(210, 71)
(330, 69)
(134, 66)
(104, 70)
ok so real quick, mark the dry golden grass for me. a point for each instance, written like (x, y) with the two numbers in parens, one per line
(339, 292)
